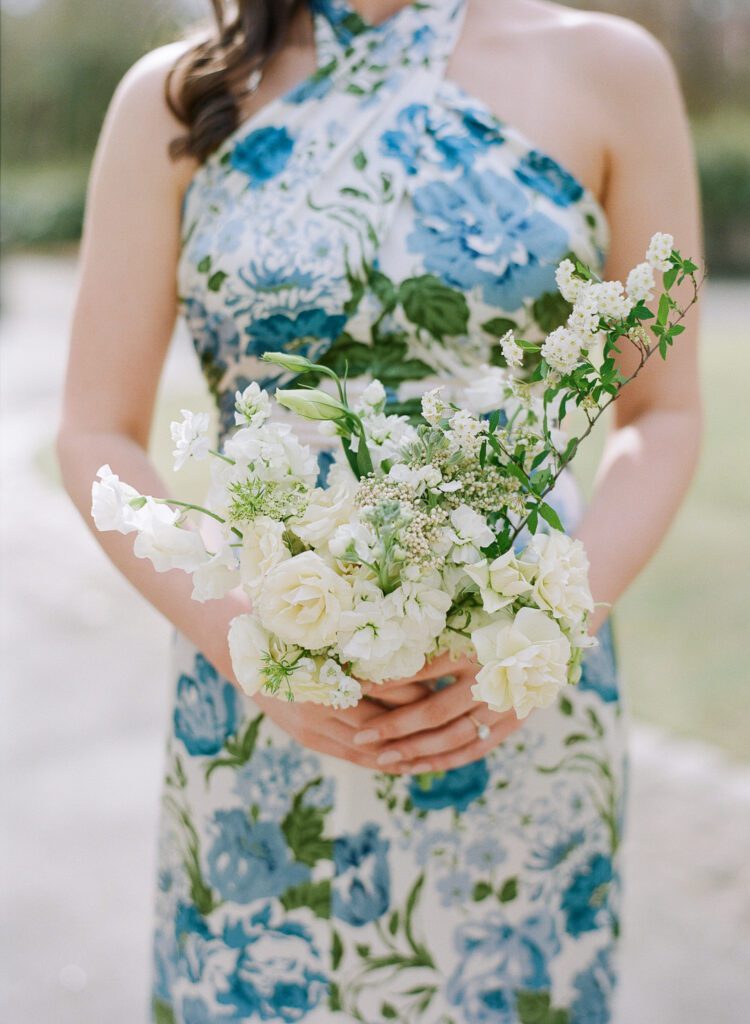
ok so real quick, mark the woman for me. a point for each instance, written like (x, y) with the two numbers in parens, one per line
(342, 186)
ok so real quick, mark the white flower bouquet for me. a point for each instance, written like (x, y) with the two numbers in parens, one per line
(431, 536)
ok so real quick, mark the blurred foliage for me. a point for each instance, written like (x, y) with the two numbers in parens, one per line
(77, 50)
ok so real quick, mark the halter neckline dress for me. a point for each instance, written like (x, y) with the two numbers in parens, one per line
(377, 216)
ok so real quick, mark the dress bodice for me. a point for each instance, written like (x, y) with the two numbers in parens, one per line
(378, 218)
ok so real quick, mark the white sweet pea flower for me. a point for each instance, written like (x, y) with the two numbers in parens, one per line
(512, 351)
(345, 692)
(353, 538)
(488, 391)
(434, 407)
(164, 543)
(386, 435)
(263, 548)
(273, 451)
(190, 435)
(302, 600)
(659, 251)
(423, 605)
(470, 532)
(557, 569)
(419, 478)
(500, 582)
(217, 576)
(641, 283)
(525, 661)
(110, 503)
(373, 397)
(252, 406)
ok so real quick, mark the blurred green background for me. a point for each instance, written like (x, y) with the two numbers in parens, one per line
(681, 627)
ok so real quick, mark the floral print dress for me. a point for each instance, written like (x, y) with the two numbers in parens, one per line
(378, 218)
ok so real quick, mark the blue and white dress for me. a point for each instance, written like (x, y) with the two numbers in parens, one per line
(378, 216)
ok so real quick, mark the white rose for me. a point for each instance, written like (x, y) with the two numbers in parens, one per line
(167, 545)
(500, 582)
(326, 511)
(110, 503)
(557, 568)
(524, 659)
(263, 548)
(248, 648)
(302, 600)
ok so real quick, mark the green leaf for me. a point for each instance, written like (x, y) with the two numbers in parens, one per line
(664, 307)
(216, 280)
(393, 923)
(315, 895)
(431, 304)
(548, 513)
(499, 326)
(670, 277)
(481, 891)
(359, 160)
(551, 311)
(303, 828)
(337, 950)
(205, 265)
(363, 950)
(508, 890)
(388, 1011)
(162, 1012)
(575, 737)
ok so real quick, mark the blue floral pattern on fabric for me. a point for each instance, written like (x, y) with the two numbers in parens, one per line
(362, 883)
(249, 860)
(455, 788)
(480, 230)
(206, 709)
(262, 154)
(378, 217)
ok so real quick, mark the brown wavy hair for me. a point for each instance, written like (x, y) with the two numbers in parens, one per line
(205, 87)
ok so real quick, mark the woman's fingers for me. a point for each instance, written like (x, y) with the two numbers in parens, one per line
(456, 734)
(395, 696)
(434, 710)
(457, 758)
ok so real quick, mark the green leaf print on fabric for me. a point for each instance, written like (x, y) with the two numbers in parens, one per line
(536, 1008)
(239, 748)
(431, 304)
(162, 1012)
(303, 828)
(551, 311)
(315, 895)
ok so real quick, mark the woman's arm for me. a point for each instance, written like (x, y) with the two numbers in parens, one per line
(123, 320)
(652, 447)
(124, 315)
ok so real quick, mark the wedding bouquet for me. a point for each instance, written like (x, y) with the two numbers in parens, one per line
(432, 535)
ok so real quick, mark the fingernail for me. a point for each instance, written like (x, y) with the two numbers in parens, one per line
(421, 769)
(389, 757)
(367, 736)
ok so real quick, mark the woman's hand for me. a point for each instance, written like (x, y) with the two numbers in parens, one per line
(436, 732)
(328, 730)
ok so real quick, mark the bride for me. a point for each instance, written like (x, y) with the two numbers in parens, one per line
(274, 180)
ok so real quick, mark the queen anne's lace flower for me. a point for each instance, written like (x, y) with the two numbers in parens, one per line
(659, 251)
(562, 349)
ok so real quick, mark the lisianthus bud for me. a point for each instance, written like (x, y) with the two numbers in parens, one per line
(295, 364)
(312, 403)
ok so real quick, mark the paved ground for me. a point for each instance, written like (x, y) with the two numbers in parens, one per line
(84, 712)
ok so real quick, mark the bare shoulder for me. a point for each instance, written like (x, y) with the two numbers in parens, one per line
(139, 119)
